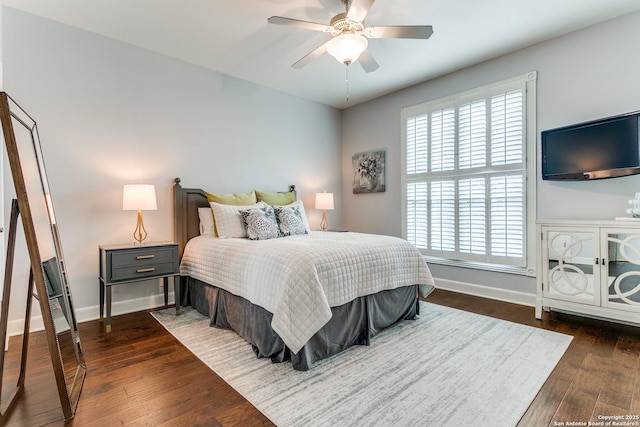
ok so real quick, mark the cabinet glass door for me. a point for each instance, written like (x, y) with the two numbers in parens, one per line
(623, 270)
(572, 272)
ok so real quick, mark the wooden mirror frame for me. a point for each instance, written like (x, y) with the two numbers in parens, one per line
(48, 275)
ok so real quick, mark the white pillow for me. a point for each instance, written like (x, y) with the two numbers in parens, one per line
(300, 206)
(206, 221)
(228, 219)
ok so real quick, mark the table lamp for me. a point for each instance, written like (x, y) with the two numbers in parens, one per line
(324, 201)
(139, 197)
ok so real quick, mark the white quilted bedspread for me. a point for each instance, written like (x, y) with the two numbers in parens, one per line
(298, 278)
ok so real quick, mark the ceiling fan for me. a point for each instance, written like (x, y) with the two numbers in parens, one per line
(350, 36)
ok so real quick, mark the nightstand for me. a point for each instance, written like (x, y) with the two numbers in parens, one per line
(129, 263)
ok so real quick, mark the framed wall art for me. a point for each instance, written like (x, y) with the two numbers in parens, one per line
(368, 172)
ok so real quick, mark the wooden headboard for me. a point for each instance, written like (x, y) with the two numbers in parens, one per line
(186, 220)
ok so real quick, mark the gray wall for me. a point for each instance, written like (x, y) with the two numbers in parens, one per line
(583, 76)
(110, 114)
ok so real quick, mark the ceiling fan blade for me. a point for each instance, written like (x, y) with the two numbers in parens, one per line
(367, 61)
(310, 56)
(359, 9)
(400, 32)
(307, 25)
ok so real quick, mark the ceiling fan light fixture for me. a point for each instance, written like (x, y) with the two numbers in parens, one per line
(346, 48)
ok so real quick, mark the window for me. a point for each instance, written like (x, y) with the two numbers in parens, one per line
(469, 176)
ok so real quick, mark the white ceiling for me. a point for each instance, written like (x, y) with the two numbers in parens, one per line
(233, 37)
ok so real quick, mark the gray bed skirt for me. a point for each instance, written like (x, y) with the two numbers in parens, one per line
(353, 323)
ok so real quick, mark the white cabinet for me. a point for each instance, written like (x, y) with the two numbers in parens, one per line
(590, 267)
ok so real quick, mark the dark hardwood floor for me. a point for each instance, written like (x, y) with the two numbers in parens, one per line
(139, 375)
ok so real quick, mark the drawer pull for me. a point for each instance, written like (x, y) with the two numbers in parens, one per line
(145, 270)
(145, 256)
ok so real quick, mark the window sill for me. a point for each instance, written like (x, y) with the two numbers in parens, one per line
(509, 269)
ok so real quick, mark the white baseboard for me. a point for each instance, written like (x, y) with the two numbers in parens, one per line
(15, 327)
(505, 295)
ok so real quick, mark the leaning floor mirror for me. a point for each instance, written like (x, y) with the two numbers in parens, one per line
(48, 279)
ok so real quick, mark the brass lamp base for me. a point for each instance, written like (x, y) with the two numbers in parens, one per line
(140, 233)
(323, 224)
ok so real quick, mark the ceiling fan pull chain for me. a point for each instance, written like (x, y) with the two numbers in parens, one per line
(346, 78)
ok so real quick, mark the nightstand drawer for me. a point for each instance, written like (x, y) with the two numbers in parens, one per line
(142, 270)
(143, 256)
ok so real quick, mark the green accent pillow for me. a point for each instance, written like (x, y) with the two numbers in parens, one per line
(276, 199)
(236, 199)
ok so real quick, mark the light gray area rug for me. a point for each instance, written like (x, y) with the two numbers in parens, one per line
(448, 368)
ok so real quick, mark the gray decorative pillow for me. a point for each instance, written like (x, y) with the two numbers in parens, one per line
(261, 224)
(290, 220)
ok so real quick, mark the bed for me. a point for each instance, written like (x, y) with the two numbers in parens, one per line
(300, 298)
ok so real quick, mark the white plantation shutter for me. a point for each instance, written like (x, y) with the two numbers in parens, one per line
(507, 128)
(443, 138)
(507, 211)
(472, 224)
(442, 210)
(417, 137)
(472, 135)
(417, 230)
(465, 176)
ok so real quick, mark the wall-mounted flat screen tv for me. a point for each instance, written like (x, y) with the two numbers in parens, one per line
(605, 148)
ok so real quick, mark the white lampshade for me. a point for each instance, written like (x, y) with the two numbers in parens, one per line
(346, 48)
(324, 201)
(139, 197)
